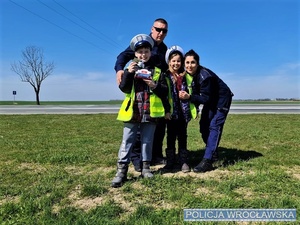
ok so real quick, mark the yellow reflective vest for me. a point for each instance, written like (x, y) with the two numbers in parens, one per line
(156, 107)
(189, 80)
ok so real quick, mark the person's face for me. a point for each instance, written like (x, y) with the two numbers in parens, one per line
(175, 63)
(190, 65)
(159, 31)
(143, 54)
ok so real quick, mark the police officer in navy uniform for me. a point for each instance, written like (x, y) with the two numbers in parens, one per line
(159, 31)
(215, 96)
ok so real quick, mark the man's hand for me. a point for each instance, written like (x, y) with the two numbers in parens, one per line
(119, 76)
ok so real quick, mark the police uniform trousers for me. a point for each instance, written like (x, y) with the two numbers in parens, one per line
(211, 128)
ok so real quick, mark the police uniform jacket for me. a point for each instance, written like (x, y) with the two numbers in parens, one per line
(210, 90)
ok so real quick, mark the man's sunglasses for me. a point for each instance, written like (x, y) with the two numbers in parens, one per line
(161, 29)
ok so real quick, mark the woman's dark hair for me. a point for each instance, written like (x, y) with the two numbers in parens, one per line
(194, 54)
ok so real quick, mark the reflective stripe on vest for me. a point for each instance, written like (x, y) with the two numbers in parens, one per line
(156, 106)
(126, 109)
(170, 94)
(189, 80)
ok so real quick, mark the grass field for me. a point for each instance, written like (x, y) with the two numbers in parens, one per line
(57, 169)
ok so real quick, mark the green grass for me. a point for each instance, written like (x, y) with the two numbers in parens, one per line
(57, 169)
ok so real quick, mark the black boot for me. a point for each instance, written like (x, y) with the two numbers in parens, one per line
(137, 165)
(204, 166)
(183, 159)
(146, 172)
(121, 175)
(170, 153)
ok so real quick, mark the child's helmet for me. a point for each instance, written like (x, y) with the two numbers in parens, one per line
(171, 50)
(141, 40)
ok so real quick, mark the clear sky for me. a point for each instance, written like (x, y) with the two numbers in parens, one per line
(253, 45)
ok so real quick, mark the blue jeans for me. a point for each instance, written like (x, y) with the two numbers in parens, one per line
(211, 128)
(129, 138)
(157, 151)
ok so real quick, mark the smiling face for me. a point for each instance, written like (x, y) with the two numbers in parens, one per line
(143, 54)
(175, 62)
(159, 31)
(191, 65)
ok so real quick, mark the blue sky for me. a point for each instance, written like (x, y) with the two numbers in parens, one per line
(254, 46)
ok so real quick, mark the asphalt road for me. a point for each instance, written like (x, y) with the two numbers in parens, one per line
(94, 109)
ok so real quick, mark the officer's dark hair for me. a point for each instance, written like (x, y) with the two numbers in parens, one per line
(161, 20)
(194, 54)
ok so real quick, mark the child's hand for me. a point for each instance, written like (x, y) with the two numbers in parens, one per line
(168, 116)
(184, 95)
(150, 83)
(132, 67)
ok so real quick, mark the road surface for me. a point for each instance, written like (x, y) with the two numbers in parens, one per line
(94, 109)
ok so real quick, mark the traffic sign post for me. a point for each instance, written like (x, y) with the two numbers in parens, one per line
(14, 94)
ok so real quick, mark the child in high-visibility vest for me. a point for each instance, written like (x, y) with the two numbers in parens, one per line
(182, 110)
(146, 92)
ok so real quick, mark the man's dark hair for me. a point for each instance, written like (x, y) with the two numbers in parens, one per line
(161, 20)
(194, 54)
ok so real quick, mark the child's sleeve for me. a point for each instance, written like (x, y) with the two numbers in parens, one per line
(126, 82)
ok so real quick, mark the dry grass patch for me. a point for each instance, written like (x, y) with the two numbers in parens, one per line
(75, 170)
(32, 167)
(294, 171)
(85, 203)
(10, 199)
(76, 201)
(215, 174)
(246, 193)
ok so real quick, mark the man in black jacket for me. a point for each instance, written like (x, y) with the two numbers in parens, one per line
(215, 96)
(158, 33)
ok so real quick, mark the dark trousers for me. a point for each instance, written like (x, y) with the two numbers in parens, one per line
(211, 128)
(177, 130)
(159, 136)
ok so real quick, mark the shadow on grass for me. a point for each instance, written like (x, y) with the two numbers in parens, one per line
(227, 156)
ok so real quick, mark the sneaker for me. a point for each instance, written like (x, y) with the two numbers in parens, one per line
(185, 168)
(204, 166)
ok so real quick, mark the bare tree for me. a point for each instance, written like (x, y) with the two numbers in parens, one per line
(33, 69)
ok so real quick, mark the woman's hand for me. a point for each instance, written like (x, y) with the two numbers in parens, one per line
(184, 95)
